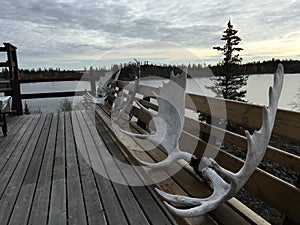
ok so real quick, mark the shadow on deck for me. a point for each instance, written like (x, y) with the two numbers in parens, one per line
(44, 179)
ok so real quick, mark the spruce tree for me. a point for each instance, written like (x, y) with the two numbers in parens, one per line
(229, 82)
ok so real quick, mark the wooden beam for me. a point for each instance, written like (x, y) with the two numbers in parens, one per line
(280, 194)
(52, 94)
(279, 156)
(284, 158)
(287, 122)
(50, 80)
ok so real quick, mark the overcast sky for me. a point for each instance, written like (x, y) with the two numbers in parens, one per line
(74, 33)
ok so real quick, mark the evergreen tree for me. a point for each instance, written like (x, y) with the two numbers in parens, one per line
(228, 84)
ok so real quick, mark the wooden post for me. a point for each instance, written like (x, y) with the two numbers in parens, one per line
(93, 84)
(141, 123)
(12, 63)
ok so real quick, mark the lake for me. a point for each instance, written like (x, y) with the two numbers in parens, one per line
(257, 90)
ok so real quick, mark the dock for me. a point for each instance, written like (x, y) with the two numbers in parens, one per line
(46, 180)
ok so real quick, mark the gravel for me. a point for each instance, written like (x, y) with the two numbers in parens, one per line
(255, 204)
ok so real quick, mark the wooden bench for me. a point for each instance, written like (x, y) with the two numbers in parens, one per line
(275, 192)
(5, 106)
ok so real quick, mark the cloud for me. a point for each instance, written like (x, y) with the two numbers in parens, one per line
(65, 29)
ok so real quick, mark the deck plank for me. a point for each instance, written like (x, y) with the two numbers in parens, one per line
(40, 204)
(58, 202)
(11, 124)
(153, 210)
(76, 207)
(23, 204)
(12, 139)
(48, 175)
(111, 204)
(11, 192)
(94, 207)
(133, 211)
(9, 163)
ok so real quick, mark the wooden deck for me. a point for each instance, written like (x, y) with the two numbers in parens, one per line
(44, 179)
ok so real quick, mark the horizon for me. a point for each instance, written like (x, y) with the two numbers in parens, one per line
(70, 34)
(148, 63)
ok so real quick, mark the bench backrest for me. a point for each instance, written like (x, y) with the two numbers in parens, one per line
(277, 193)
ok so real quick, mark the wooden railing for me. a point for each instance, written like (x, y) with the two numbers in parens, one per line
(275, 192)
(56, 94)
(12, 83)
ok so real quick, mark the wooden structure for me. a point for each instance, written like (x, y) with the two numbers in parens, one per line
(44, 178)
(11, 84)
(275, 192)
(56, 94)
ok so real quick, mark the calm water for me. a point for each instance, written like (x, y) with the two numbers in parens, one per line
(257, 90)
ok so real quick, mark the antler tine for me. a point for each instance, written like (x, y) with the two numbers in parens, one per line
(145, 109)
(124, 105)
(168, 128)
(91, 99)
(220, 187)
(157, 139)
(171, 158)
(204, 205)
(257, 144)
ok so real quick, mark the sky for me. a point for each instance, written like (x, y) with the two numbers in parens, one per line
(73, 34)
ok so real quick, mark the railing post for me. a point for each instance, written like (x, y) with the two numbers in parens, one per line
(14, 78)
(93, 84)
(141, 123)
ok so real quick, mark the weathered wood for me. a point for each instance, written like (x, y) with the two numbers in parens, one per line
(146, 201)
(132, 209)
(112, 207)
(33, 194)
(58, 203)
(76, 209)
(40, 203)
(13, 135)
(144, 156)
(11, 123)
(172, 188)
(46, 80)
(225, 213)
(52, 94)
(13, 159)
(248, 115)
(245, 114)
(286, 194)
(22, 206)
(9, 196)
(14, 78)
(286, 159)
(94, 208)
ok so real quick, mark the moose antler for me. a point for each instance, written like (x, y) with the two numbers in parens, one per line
(226, 184)
(126, 100)
(169, 122)
(104, 87)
